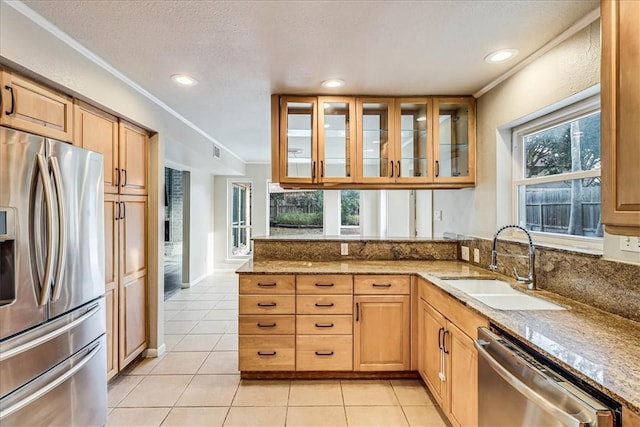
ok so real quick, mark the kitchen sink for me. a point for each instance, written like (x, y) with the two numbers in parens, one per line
(481, 286)
(500, 295)
(518, 301)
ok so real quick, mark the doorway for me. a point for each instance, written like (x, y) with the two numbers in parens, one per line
(174, 214)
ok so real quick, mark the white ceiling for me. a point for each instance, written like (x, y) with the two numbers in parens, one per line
(242, 51)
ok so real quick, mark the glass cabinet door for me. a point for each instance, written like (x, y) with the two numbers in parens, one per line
(375, 145)
(454, 128)
(298, 137)
(413, 144)
(336, 139)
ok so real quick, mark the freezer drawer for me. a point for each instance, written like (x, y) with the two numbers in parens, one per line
(74, 393)
(28, 355)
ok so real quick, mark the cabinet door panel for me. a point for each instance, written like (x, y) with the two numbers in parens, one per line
(462, 378)
(35, 108)
(133, 238)
(336, 139)
(432, 326)
(620, 110)
(382, 333)
(298, 139)
(376, 162)
(133, 152)
(413, 149)
(133, 319)
(111, 299)
(98, 131)
(454, 140)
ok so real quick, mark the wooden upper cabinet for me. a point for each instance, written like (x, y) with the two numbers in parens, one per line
(98, 131)
(33, 108)
(132, 212)
(454, 140)
(367, 142)
(298, 140)
(375, 123)
(133, 159)
(336, 139)
(620, 103)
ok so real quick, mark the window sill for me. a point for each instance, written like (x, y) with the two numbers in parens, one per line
(571, 247)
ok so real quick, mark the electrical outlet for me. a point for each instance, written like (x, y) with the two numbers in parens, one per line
(344, 249)
(476, 256)
(630, 244)
(465, 253)
(437, 215)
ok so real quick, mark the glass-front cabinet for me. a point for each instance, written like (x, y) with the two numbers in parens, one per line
(367, 142)
(317, 140)
(298, 139)
(375, 140)
(454, 137)
(336, 139)
(413, 153)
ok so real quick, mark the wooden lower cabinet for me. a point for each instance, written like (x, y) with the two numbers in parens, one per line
(381, 333)
(266, 353)
(430, 361)
(324, 353)
(462, 378)
(447, 358)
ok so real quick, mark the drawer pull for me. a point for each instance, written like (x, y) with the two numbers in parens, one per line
(267, 304)
(267, 285)
(324, 285)
(386, 285)
(324, 325)
(266, 325)
(318, 304)
(266, 353)
(324, 353)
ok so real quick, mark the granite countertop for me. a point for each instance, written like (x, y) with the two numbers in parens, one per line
(601, 348)
(341, 238)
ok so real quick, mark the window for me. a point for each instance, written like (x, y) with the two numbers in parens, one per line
(295, 211)
(556, 184)
(240, 219)
(350, 212)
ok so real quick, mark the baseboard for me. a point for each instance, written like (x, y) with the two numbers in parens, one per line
(155, 352)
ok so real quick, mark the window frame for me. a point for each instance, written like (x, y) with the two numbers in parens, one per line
(248, 184)
(567, 114)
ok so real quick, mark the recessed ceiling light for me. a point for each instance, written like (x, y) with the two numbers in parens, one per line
(184, 80)
(333, 83)
(500, 55)
(421, 119)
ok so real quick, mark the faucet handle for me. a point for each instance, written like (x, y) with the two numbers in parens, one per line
(522, 279)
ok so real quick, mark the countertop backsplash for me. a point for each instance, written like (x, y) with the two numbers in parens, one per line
(608, 285)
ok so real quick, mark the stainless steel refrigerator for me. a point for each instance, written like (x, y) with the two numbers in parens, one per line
(52, 313)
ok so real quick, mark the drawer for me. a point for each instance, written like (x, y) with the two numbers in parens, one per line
(324, 284)
(324, 304)
(267, 304)
(267, 324)
(335, 324)
(266, 353)
(324, 353)
(267, 284)
(382, 284)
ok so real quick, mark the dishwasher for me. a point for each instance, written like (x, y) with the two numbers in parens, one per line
(519, 387)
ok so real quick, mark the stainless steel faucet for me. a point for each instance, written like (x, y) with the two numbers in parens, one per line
(530, 280)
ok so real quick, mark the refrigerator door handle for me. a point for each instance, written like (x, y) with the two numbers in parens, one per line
(62, 230)
(52, 385)
(46, 189)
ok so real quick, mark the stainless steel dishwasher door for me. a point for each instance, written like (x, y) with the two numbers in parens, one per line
(515, 390)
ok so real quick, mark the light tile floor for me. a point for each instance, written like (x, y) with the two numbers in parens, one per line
(197, 383)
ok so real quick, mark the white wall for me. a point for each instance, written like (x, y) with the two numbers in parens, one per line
(201, 225)
(569, 68)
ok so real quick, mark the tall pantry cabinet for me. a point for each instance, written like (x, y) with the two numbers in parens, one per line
(125, 149)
